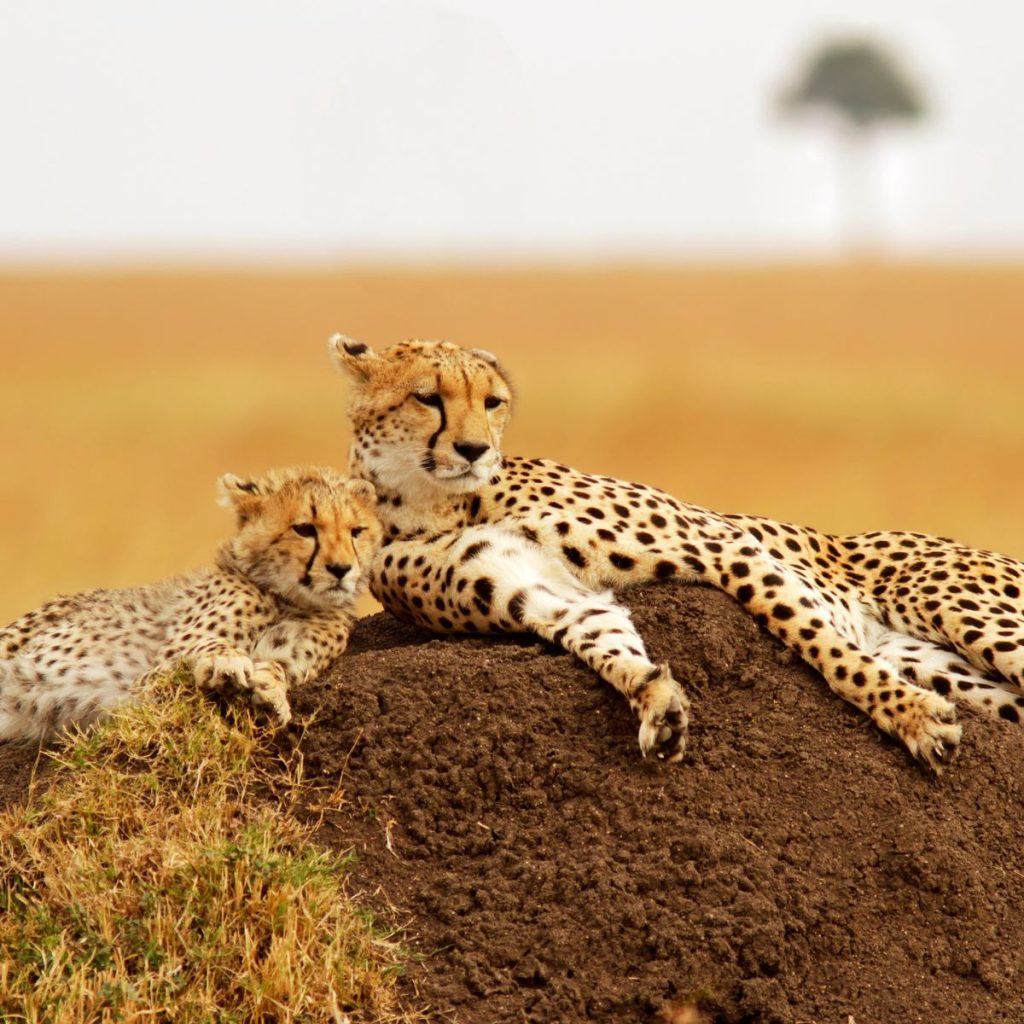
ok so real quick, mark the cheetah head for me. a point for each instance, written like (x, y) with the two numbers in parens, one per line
(426, 415)
(307, 535)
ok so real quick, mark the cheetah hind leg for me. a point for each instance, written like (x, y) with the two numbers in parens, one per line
(946, 673)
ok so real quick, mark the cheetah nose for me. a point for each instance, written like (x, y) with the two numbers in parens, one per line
(470, 452)
(338, 570)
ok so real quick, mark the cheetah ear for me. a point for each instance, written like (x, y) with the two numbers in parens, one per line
(362, 493)
(492, 360)
(354, 358)
(243, 494)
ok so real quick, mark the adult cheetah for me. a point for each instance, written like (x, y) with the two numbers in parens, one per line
(276, 609)
(475, 541)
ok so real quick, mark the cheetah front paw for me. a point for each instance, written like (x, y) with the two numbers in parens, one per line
(222, 673)
(664, 714)
(270, 695)
(927, 725)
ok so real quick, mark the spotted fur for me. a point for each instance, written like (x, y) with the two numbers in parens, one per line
(276, 609)
(898, 624)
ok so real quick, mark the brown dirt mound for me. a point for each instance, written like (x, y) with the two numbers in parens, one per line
(796, 867)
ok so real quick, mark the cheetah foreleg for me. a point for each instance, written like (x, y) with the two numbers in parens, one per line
(537, 594)
(293, 651)
(600, 633)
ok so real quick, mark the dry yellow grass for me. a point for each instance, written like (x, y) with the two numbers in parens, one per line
(155, 880)
(846, 397)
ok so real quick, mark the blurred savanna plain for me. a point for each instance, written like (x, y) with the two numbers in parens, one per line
(847, 396)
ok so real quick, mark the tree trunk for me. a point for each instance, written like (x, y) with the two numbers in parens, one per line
(860, 211)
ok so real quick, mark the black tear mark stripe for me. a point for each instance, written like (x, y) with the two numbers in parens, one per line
(444, 418)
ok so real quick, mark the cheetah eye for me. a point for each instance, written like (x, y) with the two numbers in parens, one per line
(493, 401)
(434, 400)
(356, 530)
(305, 529)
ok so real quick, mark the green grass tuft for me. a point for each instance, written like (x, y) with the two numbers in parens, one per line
(157, 879)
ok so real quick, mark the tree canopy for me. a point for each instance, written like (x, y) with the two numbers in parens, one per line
(859, 80)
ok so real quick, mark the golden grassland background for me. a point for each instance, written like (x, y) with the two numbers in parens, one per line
(848, 397)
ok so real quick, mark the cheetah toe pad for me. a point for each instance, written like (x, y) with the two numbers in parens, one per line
(664, 715)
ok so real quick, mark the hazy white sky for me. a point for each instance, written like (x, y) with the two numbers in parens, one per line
(335, 128)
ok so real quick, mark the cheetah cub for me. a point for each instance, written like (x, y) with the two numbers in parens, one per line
(276, 610)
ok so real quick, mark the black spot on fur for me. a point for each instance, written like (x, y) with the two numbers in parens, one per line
(473, 550)
(573, 555)
(515, 606)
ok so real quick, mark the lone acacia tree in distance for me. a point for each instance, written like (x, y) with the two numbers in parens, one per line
(863, 87)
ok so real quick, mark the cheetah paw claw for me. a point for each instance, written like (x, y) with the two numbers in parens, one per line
(664, 715)
(222, 673)
(930, 731)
